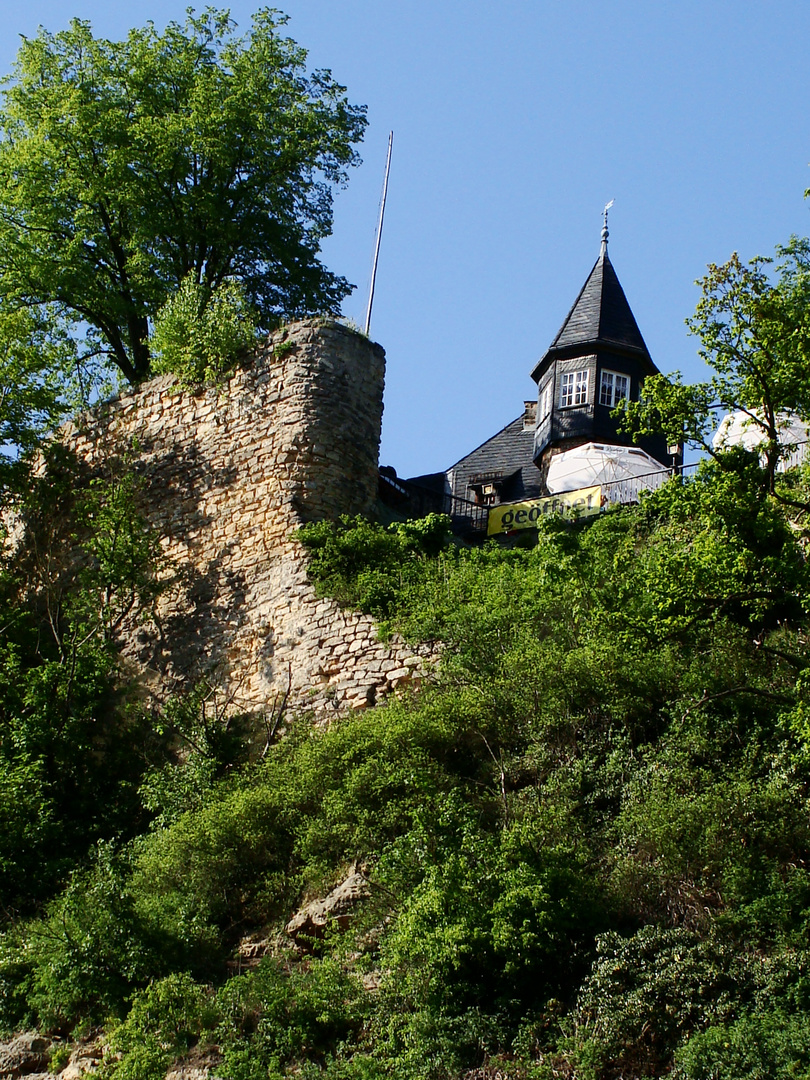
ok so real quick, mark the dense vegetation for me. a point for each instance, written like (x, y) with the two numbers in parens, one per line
(587, 838)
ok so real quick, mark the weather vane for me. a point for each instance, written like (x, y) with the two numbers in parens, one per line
(605, 233)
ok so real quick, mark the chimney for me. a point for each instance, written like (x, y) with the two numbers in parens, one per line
(529, 415)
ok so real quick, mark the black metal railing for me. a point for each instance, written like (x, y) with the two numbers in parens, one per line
(468, 518)
(415, 501)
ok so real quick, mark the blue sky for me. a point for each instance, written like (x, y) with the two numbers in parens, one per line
(513, 125)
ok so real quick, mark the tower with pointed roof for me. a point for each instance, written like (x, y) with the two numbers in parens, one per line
(597, 359)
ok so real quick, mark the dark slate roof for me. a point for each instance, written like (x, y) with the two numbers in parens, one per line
(502, 453)
(508, 456)
(600, 317)
(430, 481)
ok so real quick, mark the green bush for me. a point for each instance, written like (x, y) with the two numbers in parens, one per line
(16, 1012)
(166, 1019)
(215, 868)
(199, 335)
(370, 566)
(647, 991)
(769, 1046)
(204, 746)
(91, 949)
(276, 1016)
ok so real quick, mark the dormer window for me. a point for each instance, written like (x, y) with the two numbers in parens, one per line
(613, 388)
(486, 488)
(574, 388)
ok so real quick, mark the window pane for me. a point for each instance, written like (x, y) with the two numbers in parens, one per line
(581, 388)
(545, 402)
(567, 389)
(606, 389)
(613, 388)
(574, 388)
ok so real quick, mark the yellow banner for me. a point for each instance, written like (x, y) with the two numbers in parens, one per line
(524, 515)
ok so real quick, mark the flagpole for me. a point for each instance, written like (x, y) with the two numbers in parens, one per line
(367, 328)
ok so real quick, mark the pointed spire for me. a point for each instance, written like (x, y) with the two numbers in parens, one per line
(601, 314)
(605, 233)
(600, 317)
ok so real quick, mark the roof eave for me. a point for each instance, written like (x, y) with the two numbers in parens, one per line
(588, 348)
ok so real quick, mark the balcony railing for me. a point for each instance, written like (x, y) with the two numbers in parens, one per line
(628, 490)
(470, 519)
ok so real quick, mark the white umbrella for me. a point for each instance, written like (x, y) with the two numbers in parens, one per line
(625, 469)
(739, 428)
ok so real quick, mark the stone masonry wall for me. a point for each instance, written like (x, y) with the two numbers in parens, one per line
(228, 475)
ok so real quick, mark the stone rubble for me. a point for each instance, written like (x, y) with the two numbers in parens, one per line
(27, 1054)
(84, 1058)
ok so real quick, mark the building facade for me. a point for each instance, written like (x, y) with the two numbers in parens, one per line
(597, 359)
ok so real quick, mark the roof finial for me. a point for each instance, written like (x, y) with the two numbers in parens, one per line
(605, 233)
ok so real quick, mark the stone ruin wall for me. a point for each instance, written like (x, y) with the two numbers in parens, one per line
(228, 474)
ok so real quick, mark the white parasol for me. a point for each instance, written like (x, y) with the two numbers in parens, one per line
(739, 428)
(626, 469)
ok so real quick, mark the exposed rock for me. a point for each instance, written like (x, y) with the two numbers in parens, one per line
(337, 907)
(24, 1055)
(250, 951)
(488, 1072)
(188, 1072)
(85, 1058)
(198, 1064)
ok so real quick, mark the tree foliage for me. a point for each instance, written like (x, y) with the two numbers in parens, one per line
(128, 167)
(754, 332)
(36, 388)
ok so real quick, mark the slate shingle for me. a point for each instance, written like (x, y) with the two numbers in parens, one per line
(507, 457)
(600, 318)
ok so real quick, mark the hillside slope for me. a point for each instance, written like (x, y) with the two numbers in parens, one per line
(580, 850)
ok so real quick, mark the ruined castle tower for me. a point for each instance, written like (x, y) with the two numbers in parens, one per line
(226, 475)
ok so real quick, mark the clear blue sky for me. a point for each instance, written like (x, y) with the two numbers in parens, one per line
(513, 125)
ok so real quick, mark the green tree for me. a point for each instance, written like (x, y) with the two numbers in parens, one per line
(126, 167)
(755, 334)
(35, 378)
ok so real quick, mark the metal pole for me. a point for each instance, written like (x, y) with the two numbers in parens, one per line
(367, 328)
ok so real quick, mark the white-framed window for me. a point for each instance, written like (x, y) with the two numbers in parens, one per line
(574, 388)
(544, 406)
(613, 388)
